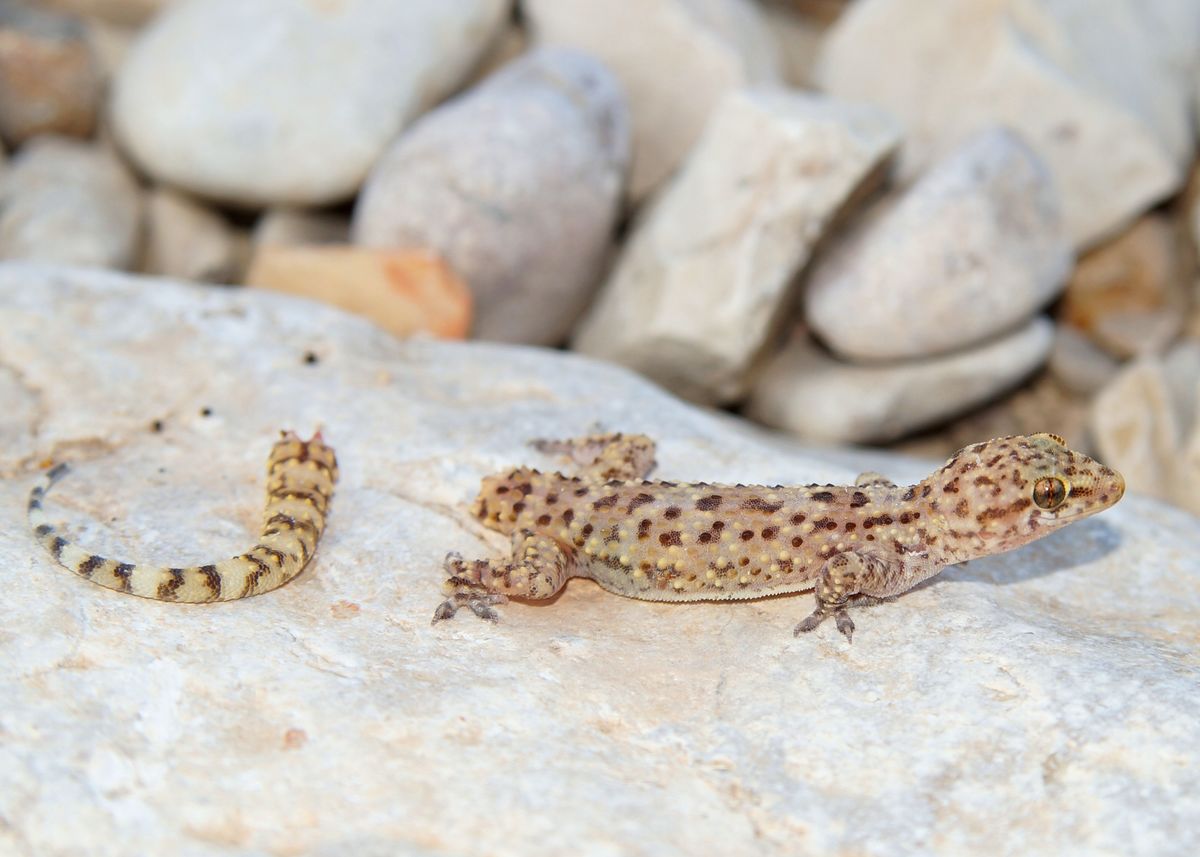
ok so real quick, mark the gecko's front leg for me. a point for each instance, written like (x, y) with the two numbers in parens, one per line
(539, 569)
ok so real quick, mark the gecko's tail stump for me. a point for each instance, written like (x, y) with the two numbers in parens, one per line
(300, 478)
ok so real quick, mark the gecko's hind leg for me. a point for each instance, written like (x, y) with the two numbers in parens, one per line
(604, 457)
(837, 583)
(539, 569)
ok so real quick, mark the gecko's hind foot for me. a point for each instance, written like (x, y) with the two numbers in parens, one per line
(479, 603)
(840, 617)
(466, 592)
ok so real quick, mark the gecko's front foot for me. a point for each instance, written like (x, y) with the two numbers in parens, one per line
(464, 591)
(844, 623)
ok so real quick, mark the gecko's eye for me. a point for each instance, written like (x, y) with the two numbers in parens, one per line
(1049, 493)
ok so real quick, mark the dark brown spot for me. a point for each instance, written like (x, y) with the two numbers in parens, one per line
(644, 529)
(850, 526)
(962, 508)
(551, 499)
(278, 556)
(672, 513)
(525, 488)
(639, 500)
(518, 507)
(501, 489)
(769, 533)
(746, 535)
(925, 492)
(568, 516)
(951, 487)
(758, 504)
(543, 520)
(858, 499)
(587, 530)
(279, 518)
(797, 541)
(704, 538)
(88, 567)
(582, 492)
(212, 579)
(823, 496)
(605, 502)
(168, 589)
(709, 503)
(123, 572)
(43, 529)
(670, 538)
(910, 493)
(798, 518)
(56, 547)
(311, 358)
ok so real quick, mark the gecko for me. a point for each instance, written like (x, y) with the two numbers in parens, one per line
(675, 541)
(300, 479)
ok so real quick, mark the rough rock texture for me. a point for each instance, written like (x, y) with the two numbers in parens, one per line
(187, 240)
(518, 185)
(66, 201)
(1042, 702)
(676, 60)
(284, 102)
(804, 390)
(973, 248)
(1130, 294)
(1104, 99)
(50, 80)
(707, 271)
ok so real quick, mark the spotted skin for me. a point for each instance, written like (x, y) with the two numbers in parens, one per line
(667, 541)
(300, 479)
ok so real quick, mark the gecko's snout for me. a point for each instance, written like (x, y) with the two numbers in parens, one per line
(1116, 483)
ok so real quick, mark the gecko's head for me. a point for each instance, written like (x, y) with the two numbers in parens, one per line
(1006, 492)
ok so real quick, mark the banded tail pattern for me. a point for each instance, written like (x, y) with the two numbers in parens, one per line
(300, 479)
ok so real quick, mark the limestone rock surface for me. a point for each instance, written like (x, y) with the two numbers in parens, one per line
(277, 102)
(707, 271)
(973, 248)
(676, 60)
(811, 394)
(517, 184)
(1040, 702)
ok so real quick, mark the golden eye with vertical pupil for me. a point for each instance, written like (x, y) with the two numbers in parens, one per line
(1049, 493)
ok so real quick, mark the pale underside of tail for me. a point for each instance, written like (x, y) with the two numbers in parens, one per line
(300, 480)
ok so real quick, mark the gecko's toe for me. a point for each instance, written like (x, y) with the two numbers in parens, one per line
(446, 610)
(481, 609)
(810, 623)
(845, 625)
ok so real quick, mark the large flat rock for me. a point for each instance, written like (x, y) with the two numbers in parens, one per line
(1040, 702)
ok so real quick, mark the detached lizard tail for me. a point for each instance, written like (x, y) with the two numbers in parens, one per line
(300, 479)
